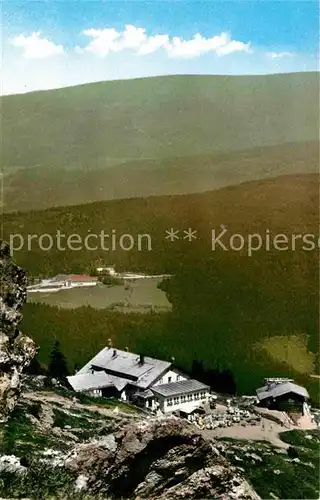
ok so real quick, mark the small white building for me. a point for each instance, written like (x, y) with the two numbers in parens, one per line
(148, 382)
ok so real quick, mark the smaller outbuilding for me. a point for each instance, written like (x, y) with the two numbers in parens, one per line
(283, 395)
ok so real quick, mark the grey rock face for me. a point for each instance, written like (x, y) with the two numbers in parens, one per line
(16, 350)
(160, 458)
(13, 292)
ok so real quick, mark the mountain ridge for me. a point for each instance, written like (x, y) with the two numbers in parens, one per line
(171, 176)
(161, 117)
(153, 77)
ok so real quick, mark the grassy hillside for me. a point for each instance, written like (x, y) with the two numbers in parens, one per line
(134, 126)
(39, 187)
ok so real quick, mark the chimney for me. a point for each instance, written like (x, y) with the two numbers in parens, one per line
(126, 349)
(109, 343)
(114, 353)
(141, 361)
(173, 360)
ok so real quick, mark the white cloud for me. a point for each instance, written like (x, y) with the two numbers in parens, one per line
(154, 43)
(132, 38)
(109, 40)
(234, 46)
(279, 55)
(220, 44)
(103, 41)
(36, 47)
(135, 39)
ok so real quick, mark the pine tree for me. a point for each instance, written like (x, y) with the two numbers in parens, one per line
(58, 367)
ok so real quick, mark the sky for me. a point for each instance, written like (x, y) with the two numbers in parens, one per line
(49, 44)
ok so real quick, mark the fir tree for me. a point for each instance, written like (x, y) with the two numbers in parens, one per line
(58, 367)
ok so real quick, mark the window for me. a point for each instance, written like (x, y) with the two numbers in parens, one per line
(178, 378)
(189, 397)
(160, 381)
(183, 399)
(176, 400)
(196, 396)
(169, 379)
(169, 401)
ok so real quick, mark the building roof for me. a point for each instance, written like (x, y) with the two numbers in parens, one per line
(126, 365)
(276, 390)
(177, 388)
(97, 380)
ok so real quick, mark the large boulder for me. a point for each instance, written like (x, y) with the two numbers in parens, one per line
(159, 458)
(16, 350)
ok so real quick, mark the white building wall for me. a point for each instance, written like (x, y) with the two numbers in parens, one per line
(169, 377)
(183, 401)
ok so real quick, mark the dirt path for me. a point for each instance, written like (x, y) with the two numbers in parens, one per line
(266, 431)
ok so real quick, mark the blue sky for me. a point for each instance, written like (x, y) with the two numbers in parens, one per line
(49, 44)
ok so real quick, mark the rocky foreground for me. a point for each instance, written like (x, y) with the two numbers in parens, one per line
(157, 458)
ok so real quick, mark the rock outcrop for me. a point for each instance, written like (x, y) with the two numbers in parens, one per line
(158, 458)
(16, 350)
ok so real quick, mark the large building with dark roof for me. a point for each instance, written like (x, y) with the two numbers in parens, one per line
(149, 382)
